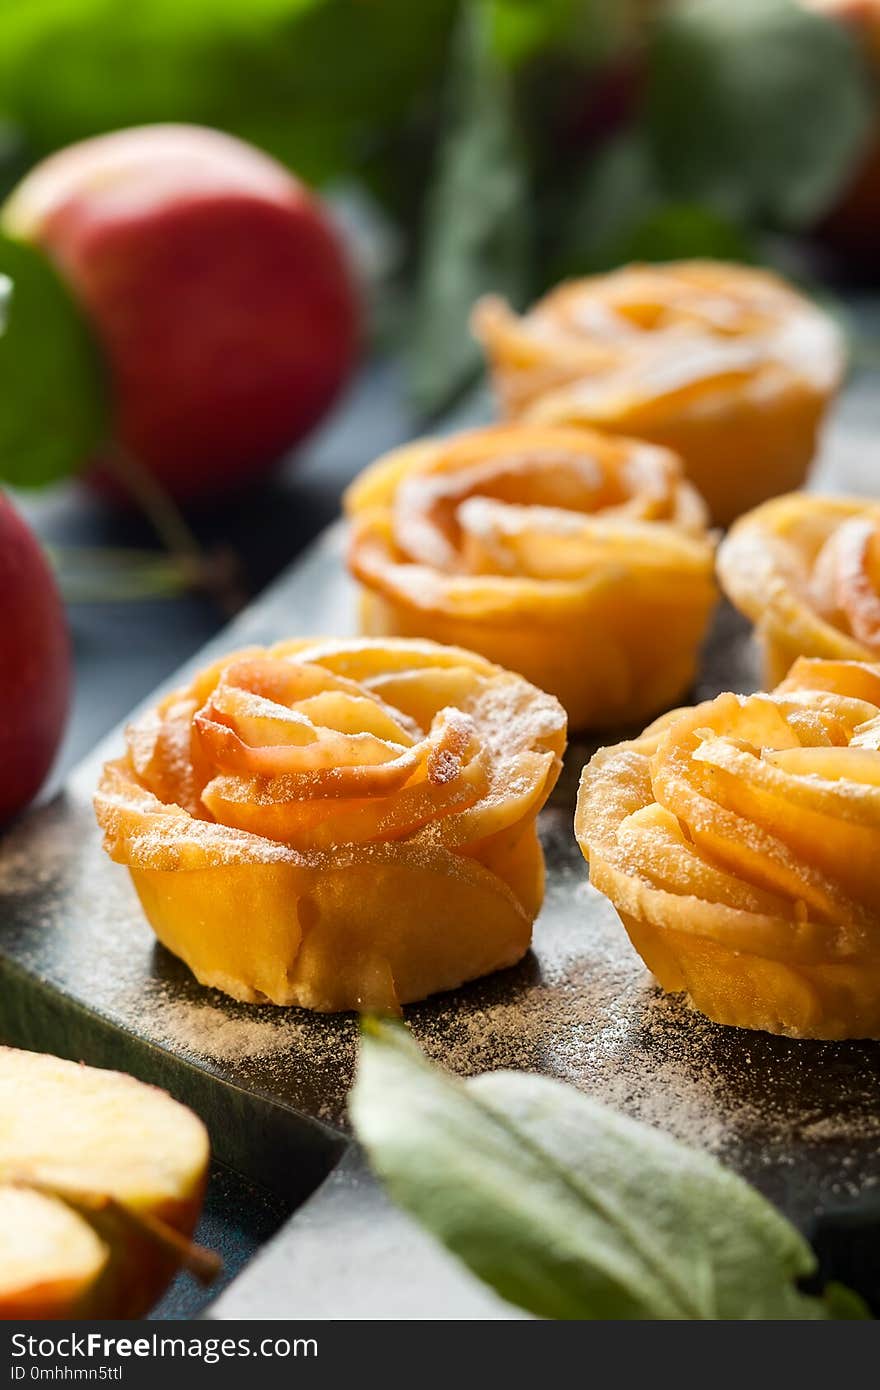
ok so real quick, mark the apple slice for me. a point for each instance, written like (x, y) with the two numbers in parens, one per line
(50, 1259)
(101, 1185)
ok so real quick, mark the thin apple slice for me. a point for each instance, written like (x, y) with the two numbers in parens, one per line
(121, 1159)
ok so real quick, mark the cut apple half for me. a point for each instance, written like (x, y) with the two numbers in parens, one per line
(101, 1184)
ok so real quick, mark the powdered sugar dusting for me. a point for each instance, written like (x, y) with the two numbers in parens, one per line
(206, 1030)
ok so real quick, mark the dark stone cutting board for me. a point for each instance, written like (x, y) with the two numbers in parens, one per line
(81, 975)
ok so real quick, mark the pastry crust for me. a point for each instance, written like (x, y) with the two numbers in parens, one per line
(806, 571)
(339, 824)
(739, 840)
(581, 560)
(726, 365)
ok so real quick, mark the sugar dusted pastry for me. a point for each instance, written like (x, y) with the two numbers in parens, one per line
(806, 570)
(739, 842)
(726, 365)
(338, 824)
(581, 560)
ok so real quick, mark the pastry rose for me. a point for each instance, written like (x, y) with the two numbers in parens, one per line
(806, 570)
(739, 842)
(338, 824)
(581, 560)
(726, 365)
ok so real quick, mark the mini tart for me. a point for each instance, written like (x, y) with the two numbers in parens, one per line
(580, 560)
(338, 824)
(806, 571)
(739, 843)
(727, 366)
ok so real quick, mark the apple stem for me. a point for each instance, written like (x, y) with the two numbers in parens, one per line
(204, 1264)
(217, 573)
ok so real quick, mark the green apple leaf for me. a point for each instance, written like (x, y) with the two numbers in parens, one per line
(316, 82)
(53, 405)
(756, 107)
(565, 1207)
(585, 31)
(476, 233)
(619, 213)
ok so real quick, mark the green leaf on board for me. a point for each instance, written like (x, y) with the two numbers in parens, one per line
(53, 411)
(844, 1305)
(565, 1207)
(758, 108)
(476, 232)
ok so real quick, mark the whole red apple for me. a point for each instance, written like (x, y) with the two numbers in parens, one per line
(34, 664)
(216, 286)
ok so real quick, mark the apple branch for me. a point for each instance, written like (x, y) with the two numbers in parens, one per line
(217, 573)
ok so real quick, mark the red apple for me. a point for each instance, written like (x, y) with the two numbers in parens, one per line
(216, 286)
(34, 664)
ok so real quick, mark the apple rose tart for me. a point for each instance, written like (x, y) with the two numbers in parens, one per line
(581, 560)
(739, 842)
(806, 571)
(726, 365)
(338, 824)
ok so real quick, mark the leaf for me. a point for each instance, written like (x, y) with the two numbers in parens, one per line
(756, 107)
(617, 191)
(476, 234)
(620, 214)
(588, 31)
(53, 411)
(316, 82)
(565, 1207)
(844, 1305)
(680, 231)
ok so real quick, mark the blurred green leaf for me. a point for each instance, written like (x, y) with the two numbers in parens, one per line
(567, 1208)
(615, 193)
(315, 82)
(756, 107)
(583, 30)
(679, 231)
(621, 213)
(53, 411)
(476, 235)
(844, 1305)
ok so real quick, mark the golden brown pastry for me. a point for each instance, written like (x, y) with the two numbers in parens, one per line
(338, 824)
(806, 571)
(580, 560)
(726, 365)
(739, 842)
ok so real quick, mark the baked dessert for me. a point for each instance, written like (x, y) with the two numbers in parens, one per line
(739, 841)
(581, 560)
(806, 571)
(338, 824)
(726, 365)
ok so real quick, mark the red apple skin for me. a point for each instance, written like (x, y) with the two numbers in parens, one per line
(35, 664)
(216, 286)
